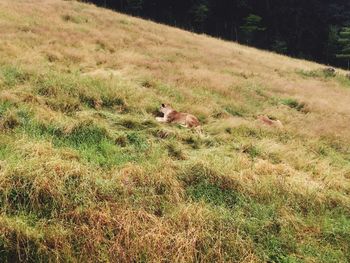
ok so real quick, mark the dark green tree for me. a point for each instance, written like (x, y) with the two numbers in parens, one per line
(252, 27)
(344, 42)
(134, 6)
(200, 12)
(331, 46)
(279, 46)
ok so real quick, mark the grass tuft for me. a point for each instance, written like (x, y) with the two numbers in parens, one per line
(13, 75)
(294, 104)
(212, 194)
(9, 121)
(176, 152)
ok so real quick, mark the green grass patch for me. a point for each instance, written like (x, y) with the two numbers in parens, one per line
(294, 104)
(252, 150)
(7, 152)
(13, 75)
(235, 111)
(92, 142)
(162, 89)
(138, 140)
(212, 194)
(248, 132)
(68, 92)
(132, 123)
(74, 19)
(175, 151)
(319, 73)
(4, 106)
(343, 80)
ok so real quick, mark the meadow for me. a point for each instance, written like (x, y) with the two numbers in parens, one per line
(88, 175)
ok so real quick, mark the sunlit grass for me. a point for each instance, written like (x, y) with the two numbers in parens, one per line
(87, 174)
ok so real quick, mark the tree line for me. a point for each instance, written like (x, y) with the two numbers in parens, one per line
(316, 30)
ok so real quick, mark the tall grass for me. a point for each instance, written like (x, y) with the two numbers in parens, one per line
(88, 175)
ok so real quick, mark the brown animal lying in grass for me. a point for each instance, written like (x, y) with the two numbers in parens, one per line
(267, 121)
(184, 119)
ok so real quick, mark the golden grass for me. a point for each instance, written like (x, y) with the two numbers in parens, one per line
(87, 175)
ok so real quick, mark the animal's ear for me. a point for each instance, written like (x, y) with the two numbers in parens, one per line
(163, 105)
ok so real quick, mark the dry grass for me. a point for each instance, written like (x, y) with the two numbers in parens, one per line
(87, 175)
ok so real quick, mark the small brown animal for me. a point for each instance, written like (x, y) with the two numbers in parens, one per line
(267, 121)
(184, 119)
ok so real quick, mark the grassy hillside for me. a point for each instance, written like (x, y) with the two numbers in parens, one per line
(88, 175)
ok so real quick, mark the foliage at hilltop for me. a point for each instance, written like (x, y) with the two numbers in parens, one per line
(88, 175)
(305, 29)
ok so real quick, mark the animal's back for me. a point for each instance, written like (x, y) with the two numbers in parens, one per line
(192, 121)
(185, 119)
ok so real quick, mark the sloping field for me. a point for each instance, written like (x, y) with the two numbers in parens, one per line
(88, 175)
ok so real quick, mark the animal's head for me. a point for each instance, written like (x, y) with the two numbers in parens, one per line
(164, 108)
